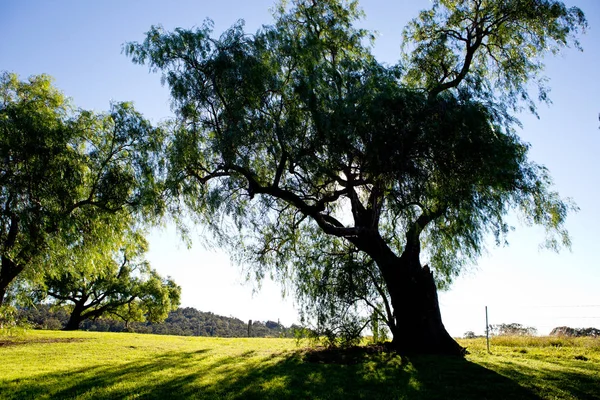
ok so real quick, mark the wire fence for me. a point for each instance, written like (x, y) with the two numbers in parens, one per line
(460, 319)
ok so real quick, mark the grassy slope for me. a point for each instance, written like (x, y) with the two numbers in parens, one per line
(90, 365)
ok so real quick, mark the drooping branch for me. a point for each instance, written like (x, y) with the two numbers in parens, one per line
(388, 310)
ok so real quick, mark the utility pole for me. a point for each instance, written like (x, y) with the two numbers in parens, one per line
(487, 330)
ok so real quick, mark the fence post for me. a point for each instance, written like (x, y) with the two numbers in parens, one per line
(249, 328)
(487, 330)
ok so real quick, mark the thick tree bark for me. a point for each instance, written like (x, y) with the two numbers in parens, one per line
(73, 324)
(76, 317)
(418, 321)
(417, 327)
(83, 311)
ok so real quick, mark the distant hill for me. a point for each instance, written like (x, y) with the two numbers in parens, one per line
(183, 321)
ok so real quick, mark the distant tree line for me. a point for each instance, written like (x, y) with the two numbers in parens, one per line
(512, 329)
(575, 332)
(515, 329)
(182, 321)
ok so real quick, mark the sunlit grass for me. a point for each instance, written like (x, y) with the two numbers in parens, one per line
(91, 365)
(550, 367)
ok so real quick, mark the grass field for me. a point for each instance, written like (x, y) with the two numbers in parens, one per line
(91, 365)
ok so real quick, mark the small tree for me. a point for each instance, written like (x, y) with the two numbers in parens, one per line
(469, 335)
(105, 274)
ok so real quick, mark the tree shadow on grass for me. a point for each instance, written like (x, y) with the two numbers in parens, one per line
(549, 378)
(291, 375)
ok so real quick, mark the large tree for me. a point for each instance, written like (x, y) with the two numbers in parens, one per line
(344, 175)
(57, 162)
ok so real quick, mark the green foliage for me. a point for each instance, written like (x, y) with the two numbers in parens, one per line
(488, 50)
(104, 272)
(11, 324)
(323, 167)
(62, 169)
(45, 316)
(300, 334)
(8, 316)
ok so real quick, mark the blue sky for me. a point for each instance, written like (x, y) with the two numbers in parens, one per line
(79, 44)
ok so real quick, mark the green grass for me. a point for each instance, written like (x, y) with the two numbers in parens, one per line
(91, 365)
(550, 367)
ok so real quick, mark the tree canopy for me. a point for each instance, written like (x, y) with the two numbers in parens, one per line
(320, 165)
(60, 166)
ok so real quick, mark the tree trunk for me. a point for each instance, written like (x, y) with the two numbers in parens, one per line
(417, 326)
(8, 272)
(2, 294)
(75, 318)
(418, 321)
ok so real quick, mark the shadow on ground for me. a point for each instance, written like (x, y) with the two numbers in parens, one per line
(203, 374)
(563, 379)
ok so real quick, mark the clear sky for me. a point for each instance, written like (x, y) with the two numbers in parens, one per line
(79, 44)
